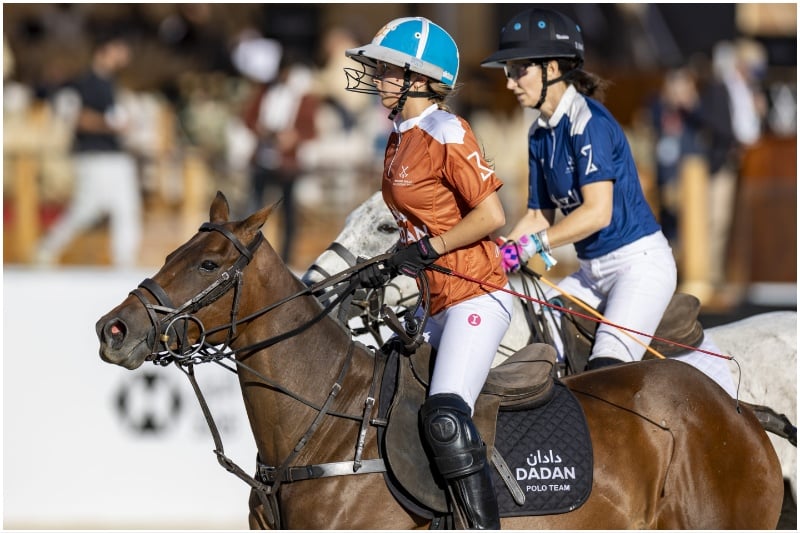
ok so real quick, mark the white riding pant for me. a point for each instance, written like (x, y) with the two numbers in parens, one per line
(632, 287)
(105, 184)
(466, 336)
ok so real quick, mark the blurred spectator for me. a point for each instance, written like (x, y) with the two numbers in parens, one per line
(256, 57)
(106, 180)
(195, 32)
(330, 79)
(8, 59)
(676, 124)
(282, 118)
(350, 135)
(733, 108)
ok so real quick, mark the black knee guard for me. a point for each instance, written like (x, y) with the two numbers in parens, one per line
(460, 456)
(454, 442)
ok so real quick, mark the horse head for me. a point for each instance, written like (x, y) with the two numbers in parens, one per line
(172, 312)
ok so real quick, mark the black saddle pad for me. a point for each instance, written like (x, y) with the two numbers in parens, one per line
(549, 453)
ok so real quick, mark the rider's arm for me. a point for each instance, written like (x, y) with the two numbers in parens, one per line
(482, 220)
(591, 216)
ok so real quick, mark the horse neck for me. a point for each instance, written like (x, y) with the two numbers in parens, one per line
(307, 364)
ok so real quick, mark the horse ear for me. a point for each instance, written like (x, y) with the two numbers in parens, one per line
(220, 211)
(254, 222)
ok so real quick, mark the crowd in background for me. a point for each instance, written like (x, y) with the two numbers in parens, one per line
(271, 118)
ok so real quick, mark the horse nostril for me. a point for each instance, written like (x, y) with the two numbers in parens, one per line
(115, 332)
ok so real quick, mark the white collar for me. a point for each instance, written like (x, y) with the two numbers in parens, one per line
(413, 121)
(561, 109)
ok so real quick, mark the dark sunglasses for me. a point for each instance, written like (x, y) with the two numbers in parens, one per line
(517, 70)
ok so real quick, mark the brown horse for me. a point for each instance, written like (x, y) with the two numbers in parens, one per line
(306, 387)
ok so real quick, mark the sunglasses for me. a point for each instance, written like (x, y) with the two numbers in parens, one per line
(517, 70)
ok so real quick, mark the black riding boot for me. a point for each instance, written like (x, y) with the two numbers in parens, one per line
(460, 456)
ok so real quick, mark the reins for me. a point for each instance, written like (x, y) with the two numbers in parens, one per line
(559, 308)
(186, 355)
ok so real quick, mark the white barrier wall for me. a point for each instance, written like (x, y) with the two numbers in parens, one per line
(89, 445)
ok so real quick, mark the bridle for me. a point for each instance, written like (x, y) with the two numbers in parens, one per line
(171, 329)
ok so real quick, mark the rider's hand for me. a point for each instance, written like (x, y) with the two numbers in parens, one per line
(413, 258)
(509, 256)
(515, 254)
(529, 245)
(375, 275)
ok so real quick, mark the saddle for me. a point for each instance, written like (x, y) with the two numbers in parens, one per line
(679, 324)
(523, 381)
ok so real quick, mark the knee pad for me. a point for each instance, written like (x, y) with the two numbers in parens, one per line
(453, 441)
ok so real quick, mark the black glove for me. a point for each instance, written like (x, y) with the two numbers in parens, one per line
(413, 258)
(375, 275)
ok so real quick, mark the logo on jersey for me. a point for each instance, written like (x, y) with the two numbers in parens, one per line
(408, 232)
(485, 171)
(570, 165)
(587, 152)
(566, 203)
(403, 172)
(474, 319)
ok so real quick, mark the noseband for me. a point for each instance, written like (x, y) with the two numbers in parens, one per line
(172, 327)
(345, 254)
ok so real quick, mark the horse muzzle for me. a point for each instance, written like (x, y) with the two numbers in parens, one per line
(118, 346)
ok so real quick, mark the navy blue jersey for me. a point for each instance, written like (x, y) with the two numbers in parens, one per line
(582, 143)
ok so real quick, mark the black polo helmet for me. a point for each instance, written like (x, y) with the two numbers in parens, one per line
(537, 34)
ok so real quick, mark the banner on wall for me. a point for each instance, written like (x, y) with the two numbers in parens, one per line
(91, 445)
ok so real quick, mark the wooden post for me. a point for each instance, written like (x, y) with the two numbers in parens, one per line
(194, 191)
(693, 266)
(26, 199)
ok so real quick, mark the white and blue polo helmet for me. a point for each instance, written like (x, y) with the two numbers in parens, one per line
(415, 43)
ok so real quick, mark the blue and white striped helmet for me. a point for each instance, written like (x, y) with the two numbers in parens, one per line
(415, 43)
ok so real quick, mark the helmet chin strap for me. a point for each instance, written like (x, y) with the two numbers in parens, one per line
(547, 83)
(401, 102)
(406, 93)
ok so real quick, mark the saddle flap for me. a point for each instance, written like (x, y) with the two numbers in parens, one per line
(405, 452)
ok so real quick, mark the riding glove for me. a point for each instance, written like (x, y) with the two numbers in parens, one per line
(413, 258)
(375, 275)
(518, 253)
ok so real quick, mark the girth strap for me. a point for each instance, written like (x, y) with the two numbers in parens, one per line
(269, 474)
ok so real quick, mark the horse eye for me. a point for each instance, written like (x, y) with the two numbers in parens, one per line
(387, 228)
(209, 266)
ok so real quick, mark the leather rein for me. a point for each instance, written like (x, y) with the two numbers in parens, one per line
(170, 328)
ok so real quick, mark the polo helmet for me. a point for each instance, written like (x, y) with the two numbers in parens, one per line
(538, 34)
(414, 43)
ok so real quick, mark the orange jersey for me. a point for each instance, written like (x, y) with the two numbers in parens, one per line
(434, 174)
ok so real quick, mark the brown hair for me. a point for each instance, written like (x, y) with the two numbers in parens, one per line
(585, 82)
(442, 93)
